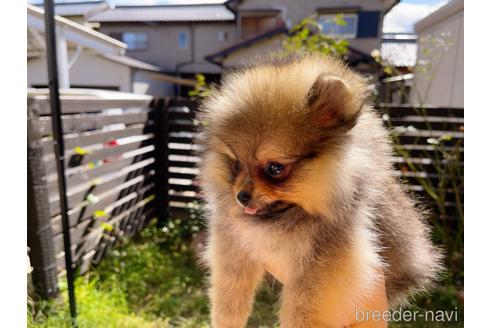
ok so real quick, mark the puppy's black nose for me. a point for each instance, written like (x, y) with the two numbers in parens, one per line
(244, 197)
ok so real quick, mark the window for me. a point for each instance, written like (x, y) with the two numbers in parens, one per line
(221, 36)
(256, 23)
(135, 41)
(331, 25)
(183, 40)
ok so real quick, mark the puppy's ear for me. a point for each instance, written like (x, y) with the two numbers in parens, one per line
(332, 104)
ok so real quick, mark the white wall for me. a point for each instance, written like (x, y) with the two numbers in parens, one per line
(89, 70)
(439, 73)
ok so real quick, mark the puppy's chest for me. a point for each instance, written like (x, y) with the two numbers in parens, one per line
(279, 252)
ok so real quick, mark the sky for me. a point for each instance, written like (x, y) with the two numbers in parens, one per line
(400, 19)
(408, 12)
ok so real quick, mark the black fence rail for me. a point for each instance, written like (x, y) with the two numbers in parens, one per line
(183, 160)
(429, 154)
(425, 139)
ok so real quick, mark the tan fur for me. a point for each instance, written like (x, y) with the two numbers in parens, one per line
(344, 234)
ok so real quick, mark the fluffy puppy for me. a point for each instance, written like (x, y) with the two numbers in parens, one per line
(297, 177)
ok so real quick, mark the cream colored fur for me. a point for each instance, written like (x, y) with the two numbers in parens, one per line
(351, 237)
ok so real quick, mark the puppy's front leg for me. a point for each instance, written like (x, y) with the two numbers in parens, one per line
(234, 277)
(332, 301)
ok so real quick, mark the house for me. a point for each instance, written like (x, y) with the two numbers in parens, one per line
(399, 54)
(263, 25)
(400, 51)
(80, 10)
(89, 59)
(439, 73)
(176, 38)
(208, 38)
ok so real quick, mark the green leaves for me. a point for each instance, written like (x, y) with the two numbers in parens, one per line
(444, 137)
(100, 214)
(339, 20)
(307, 37)
(201, 88)
(106, 226)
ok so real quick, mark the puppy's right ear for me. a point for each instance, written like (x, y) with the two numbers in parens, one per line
(332, 104)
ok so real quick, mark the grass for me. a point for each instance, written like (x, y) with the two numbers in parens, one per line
(153, 282)
(99, 305)
(140, 284)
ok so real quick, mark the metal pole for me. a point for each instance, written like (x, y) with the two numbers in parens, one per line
(50, 31)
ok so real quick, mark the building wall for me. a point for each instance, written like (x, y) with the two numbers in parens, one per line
(163, 49)
(295, 10)
(439, 74)
(163, 45)
(88, 71)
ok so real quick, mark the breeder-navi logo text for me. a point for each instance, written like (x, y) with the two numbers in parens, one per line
(407, 315)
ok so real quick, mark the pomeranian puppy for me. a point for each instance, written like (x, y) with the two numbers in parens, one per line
(298, 181)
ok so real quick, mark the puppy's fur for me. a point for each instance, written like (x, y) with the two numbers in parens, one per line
(335, 226)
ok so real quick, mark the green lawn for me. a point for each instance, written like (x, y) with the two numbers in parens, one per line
(153, 282)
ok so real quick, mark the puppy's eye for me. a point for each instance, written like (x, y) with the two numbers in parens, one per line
(274, 170)
(236, 167)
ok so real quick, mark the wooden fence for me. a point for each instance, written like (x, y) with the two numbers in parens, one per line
(110, 171)
(131, 158)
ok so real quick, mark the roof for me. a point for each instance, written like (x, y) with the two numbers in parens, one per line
(399, 50)
(174, 13)
(246, 43)
(132, 62)
(106, 46)
(158, 74)
(440, 14)
(74, 8)
(74, 32)
(388, 5)
(355, 55)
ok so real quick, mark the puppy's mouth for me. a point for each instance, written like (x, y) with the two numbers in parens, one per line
(270, 210)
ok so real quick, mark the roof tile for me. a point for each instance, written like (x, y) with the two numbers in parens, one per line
(166, 14)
